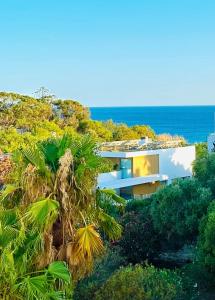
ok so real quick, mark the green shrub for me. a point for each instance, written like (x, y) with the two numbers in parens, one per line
(201, 150)
(196, 280)
(177, 210)
(103, 269)
(139, 240)
(138, 205)
(204, 169)
(138, 283)
(206, 244)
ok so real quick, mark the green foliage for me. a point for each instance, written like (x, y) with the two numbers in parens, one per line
(109, 131)
(196, 280)
(25, 120)
(96, 129)
(139, 241)
(204, 170)
(103, 269)
(177, 210)
(138, 205)
(70, 112)
(51, 200)
(140, 283)
(206, 244)
(201, 150)
(43, 285)
(123, 132)
(19, 244)
(143, 131)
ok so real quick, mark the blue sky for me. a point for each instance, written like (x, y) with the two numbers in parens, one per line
(110, 52)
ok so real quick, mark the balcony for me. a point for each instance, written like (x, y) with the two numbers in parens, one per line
(114, 180)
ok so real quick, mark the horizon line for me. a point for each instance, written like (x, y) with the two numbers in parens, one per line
(127, 106)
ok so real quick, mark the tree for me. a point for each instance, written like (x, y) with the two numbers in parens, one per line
(140, 283)
(54, 185)
(201, 150)
(206, 243)
(43, 94)
(177, 210)
(25, 120)
(25, 115)
(204, 171)
(96, 129)
(123, 132)
(144, 131)
(70, 112)
(103, 268)
(139, 241)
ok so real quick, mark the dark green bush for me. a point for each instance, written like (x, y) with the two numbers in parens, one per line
(138, 283)
(204, 170)
(138, 205)
(196, 280)
(177, 210)
(103, 269)
(206, 244)
(139, 241)
(201, 150)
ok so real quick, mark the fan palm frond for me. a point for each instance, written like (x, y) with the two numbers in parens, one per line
(59, 270)
(113, 195)
(87, 243)
(43, 213)
(36, 158)
(109, 225)
(33, 287)
(8, 190)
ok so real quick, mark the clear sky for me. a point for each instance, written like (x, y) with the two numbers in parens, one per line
(110, 52)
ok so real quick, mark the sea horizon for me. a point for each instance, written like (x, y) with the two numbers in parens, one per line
(119, 106)
(193, 122)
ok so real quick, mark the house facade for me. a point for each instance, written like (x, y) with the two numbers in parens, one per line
(140, 171)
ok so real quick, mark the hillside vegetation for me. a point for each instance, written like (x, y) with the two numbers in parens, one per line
(25, 120)
(61, 238)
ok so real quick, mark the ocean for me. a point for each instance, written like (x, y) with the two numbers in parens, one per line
(194, 123)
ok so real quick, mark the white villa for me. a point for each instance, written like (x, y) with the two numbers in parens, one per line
(141, 166)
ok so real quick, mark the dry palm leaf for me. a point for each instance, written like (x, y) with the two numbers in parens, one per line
(86, 246)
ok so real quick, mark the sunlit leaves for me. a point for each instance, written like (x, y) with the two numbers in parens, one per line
(43, 212)
(88, 243)
(58, 270)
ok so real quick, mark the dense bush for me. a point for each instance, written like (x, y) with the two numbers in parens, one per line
(25, 120)
(109, 131)
(139, 205)
(177, 209)
(138, 283)
(204, 169)
(103, 269)
(196, 281)
(139, 239)
(206, 245)
(201, 150)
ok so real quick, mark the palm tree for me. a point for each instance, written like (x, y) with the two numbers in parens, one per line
(58, 213)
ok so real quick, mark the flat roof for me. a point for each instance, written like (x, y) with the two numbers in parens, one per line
(140, 145)
(127, 154)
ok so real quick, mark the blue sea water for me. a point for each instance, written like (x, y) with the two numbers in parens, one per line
(194, 123)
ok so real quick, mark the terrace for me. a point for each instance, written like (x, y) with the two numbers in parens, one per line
(141, 145)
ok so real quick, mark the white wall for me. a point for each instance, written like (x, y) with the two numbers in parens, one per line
(173, 163)
(177, 162)
(110, 176)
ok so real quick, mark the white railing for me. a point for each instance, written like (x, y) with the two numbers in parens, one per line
(110, 176)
